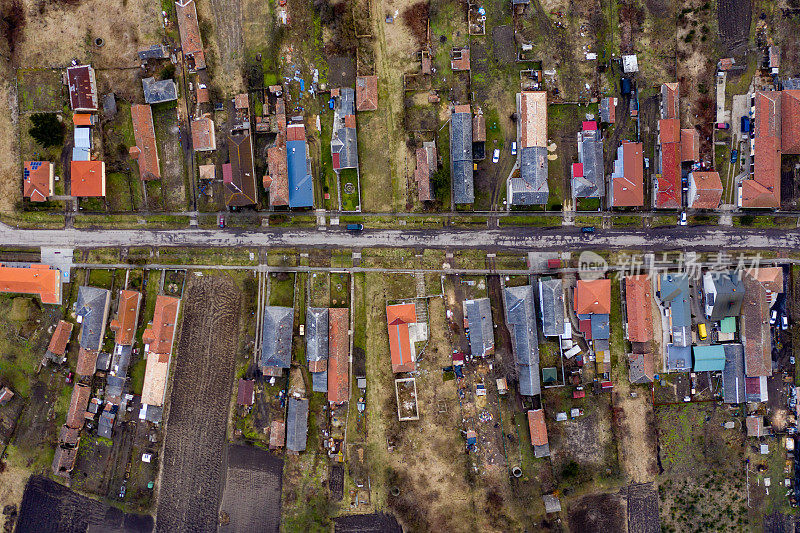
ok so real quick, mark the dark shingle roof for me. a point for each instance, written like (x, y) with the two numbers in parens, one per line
(276, 337)
(530, 188)
(481, 328)
(590, 154)
(297, 425)
(92, 309)
(521, 320)
(461, 158)
(729, 294)
(316, 333)
(733, 374)
(156, 92)
(551, 296)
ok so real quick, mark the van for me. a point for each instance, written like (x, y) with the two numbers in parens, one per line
(701, 331)
(355, 227)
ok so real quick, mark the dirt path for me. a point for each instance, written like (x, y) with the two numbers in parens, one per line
(635, 420)
(10, 188)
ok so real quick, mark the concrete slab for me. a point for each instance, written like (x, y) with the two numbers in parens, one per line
(61, 258)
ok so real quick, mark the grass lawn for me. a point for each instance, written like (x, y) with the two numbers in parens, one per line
(281, 289)
(348, 179)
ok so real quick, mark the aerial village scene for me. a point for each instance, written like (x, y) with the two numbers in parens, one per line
(364, 266)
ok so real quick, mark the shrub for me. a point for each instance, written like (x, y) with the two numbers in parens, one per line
(47, 130)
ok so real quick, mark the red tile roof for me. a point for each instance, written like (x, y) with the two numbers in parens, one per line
(37, 180)
(297, 132)
(277, 434)
(161, 332)
(60, 338)
(145, 133)
(88, 178)
(709, 189)
(755, 329)
(463, 62)
(338, 355)
(82, 88)
(422, 175)
(537, 427)
(349, 121)
(668, 195)
(241, 101)
(593, 297)
(768, 114)
(589, 125)
(790, 121)
(77, 405)
(629, 188)
(246, 392)
(87, 362)
(763, 190)
(669, 130)
(398, 318)
(690, 144)
(638, 302)
(203, 136)
(278, 185)
(366, 93)
(191, 41)
(124, 325)
(37, 279)
(670, 99)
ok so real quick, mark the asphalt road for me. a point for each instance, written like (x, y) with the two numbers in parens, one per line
(518, 239)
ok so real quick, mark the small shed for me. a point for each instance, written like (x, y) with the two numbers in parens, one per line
(277, 434)
(551, 503)
(549, 375)
(247, 394)
(297, 424)
(5, 395)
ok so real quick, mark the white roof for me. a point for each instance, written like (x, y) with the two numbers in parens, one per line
(630, 64)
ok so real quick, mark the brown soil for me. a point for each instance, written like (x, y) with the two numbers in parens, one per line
(416, 18)
(597, 513)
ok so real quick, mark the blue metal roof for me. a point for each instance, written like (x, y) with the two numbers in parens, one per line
(301, 185)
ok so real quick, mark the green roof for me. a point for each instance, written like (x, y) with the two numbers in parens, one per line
(549, 375)
(728, 325)
(709, 358)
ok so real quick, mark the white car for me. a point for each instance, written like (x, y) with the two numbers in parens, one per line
(496, 155)
(514, 148)
(682, 220)
(773, 317)
(784, 322)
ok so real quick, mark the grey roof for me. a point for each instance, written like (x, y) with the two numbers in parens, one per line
(103, 361)
(297, 424)
(521, 320)
(156, 92)
(791, 83)
(80, 154)
(121, 359)
(590, 154)
(347, 101)
(154, 51)
(530, 188)
(316, 333)
(551, 299)
(605, 109)
(729, 294)
(276, 337)
(83, 137)
(461, 158)
(551, 503)
(636, 368)
(92, 308)
(344, 140)
(733, 374)
(105, 427)
(110, 105)
(541, 451)
(154, 414)
(600, 326)
(675, 291)
(114, 385)
(679, 358)
(481, 327)
(319, 381)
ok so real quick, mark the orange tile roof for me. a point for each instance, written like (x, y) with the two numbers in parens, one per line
(790, 121)
(161, 332)
(37, 180)
(398, 317)
(763, 190)
(532, 119)
(37, 279)
(671, 99)
(709, 189)
(124, 326)
(83, 119)
(297, 132)
(60, 338)
(593, 297)
(537, 427)
(191, 41)
(77, 405)
(638, 300)
(88, 178)
(87, 362)
(669, 130)
(338, 355)
(241, 101)
(668, 194)
(771, 278)
(629, 187)
(690, 144)
(145, 133)
(366, 93)
(278, 176)
(64, 461)
(755, 329)
(767, 114)
(277, 434)
(203, 136)
(349, 121)
(478, 127)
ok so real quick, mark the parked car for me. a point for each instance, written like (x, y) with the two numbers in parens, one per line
(122, 490)
(496, 155)
(784, 322)
(587, 229)
(722, 125)
(702, 333)
(683, 220)
(734, 156)
(514, 148)
(355, 227)
(221, 220)
(773, 317)
(745, 125)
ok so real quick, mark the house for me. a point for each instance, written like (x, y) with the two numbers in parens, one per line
(344, 139)
(5, 395)
(530, 187)
(478, 316)
(298, 167)
(276, 340)
(297, 424)
(154, 51)
(756, 428)
(709, 358)
(57, 349)
(626, 186)
(246, 395)
(674, 293)
(317, 347)
(159, 91)
(592, 306)
(667, 182)
(591, 183)
(145, 152)
(204, 138)
(459, 59)
(87, 362)
(158, 339)
(762, 289)
(277, 434)
(521, 321)
(37, 180)
(641, 367)
(88, 178)
(338, 355)
(723, 293)
(551, 300)
(38, 279)
(82, 89)
(608, 110)
(91, 312)
(670, 100)
(77, 405)
(538, 429)
(191, 41)
(690, 145)
(64, 460)
(733, 378)
(401, 320)
(427, 163)
(366, 93)
(461, 155)
(763, 190)
(638, 303)
(124, 325)
(705, 190)
(240, 178)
